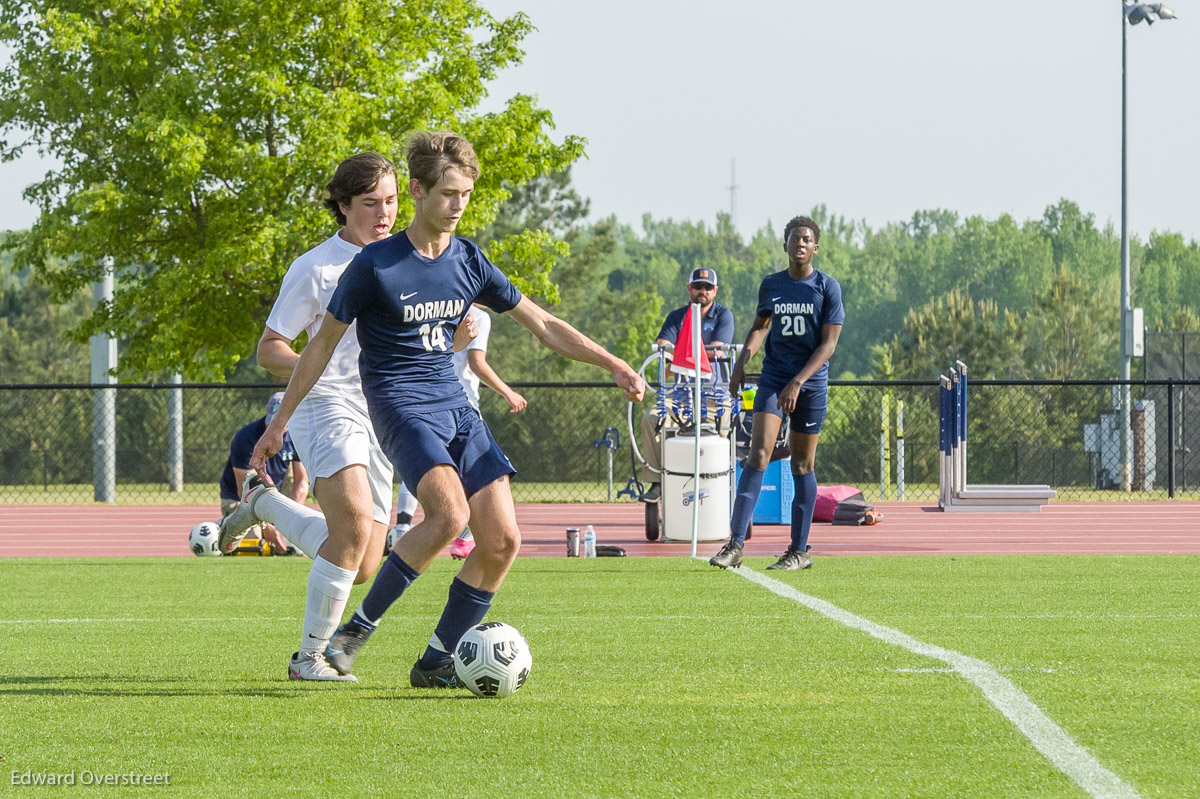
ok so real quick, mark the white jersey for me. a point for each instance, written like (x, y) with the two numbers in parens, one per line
(301, 307)
(462, 368)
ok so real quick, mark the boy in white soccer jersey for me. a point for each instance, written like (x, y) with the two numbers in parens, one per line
(352, 478)
(408, 293)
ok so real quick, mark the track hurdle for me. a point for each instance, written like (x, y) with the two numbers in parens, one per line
(954, 492)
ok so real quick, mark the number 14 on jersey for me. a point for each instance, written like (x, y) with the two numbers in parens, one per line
(434, 338)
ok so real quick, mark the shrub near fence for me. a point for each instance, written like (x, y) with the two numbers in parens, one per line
(1019, 432)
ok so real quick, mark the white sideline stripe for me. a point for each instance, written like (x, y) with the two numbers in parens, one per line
(148, 621)
(1047, 737)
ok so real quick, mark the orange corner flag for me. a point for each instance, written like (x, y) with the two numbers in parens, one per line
(683, 363)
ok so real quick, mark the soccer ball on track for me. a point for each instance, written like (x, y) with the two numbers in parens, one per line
(492, 659)
(204, 537)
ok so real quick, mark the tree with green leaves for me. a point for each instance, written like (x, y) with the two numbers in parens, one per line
(955, 327)
(196, 137)
(33, 344)
(1073, 332)
(1168, 280)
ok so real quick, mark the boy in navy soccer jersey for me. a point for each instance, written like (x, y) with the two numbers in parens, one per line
(408, 294)
(800, 315)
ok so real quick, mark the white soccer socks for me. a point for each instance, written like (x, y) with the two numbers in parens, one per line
(300, 524)
(328, 590)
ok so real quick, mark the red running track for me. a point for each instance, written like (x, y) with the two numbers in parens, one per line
(907, 529)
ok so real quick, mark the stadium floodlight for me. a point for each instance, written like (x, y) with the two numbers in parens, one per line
(1131, 14)
(1147, 12)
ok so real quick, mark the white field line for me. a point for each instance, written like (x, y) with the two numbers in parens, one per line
(150, 621)
(1047, 737)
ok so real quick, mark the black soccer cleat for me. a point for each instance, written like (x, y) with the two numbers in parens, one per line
(792, 560)
(344, 646)
(730, 556)
(440, 676)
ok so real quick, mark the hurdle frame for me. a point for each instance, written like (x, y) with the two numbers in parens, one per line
(954, 492)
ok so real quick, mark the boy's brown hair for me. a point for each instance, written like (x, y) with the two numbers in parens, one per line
(357, 175)
(431, 154)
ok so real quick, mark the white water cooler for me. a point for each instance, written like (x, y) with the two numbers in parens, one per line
(679, 490)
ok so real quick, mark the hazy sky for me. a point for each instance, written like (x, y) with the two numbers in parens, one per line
(875, 108)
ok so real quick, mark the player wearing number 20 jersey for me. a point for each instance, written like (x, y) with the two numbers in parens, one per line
(800, 317)
(798, 308)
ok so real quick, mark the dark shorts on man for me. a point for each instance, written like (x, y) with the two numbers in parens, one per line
(415, 442)
(809, 416)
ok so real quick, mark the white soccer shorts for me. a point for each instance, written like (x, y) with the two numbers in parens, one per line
(331, 434)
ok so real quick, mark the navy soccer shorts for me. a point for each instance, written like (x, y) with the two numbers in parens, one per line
(809, 416)
(415, 442)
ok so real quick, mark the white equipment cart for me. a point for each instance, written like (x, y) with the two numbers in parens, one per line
(671, 517)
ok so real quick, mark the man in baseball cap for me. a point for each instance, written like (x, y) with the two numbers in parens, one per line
(716, 329)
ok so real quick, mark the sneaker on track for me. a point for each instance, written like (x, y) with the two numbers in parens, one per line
(461, 547)
(394, 534)
(312, 666)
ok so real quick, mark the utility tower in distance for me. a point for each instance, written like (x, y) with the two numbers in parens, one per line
(733, 187)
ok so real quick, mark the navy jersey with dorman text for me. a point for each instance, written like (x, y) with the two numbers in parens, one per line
(798, 309)
(408, 307)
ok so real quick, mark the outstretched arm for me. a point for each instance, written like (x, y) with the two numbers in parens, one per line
(308, 370)
(570, 343)
(477, 360)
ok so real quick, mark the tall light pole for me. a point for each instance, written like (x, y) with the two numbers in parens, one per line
(1131, 14)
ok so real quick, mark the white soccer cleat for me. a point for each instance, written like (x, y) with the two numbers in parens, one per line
(235, 526)
(393, 535)
(312, 666)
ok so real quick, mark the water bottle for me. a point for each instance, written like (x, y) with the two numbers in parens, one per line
(589, 542)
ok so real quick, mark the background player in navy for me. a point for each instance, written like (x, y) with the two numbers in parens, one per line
(800, 315)
(408, 294)
(241, 449)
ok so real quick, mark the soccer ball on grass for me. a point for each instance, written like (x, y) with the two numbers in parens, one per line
(492, 659)
(204, 537)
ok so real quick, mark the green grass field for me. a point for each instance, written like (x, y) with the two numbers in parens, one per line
(652, 677)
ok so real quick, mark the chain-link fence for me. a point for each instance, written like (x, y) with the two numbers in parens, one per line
(1070, 435)
(1171, 356)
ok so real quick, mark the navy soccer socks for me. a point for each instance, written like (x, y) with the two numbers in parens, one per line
(394, 577)
(803, 504)
(465, 608)
(748, 487)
